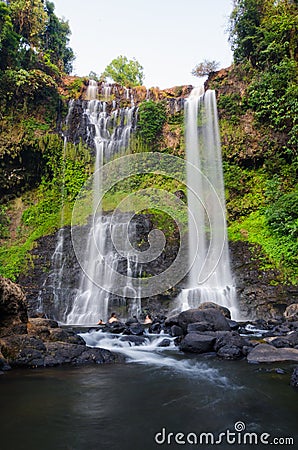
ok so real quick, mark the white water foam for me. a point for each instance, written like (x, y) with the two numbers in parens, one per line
(150, 353)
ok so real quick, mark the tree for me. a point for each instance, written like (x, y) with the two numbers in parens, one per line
(29, 19)
(204, 68)
(55, 40)
(9, 39)
(125, 72)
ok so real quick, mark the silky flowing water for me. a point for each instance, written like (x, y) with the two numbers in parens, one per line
(122, 407)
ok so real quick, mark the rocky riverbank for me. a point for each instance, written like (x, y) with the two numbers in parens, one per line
(206, 330)
(38, 342)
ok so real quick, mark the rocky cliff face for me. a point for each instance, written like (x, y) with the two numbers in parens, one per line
(257, 296)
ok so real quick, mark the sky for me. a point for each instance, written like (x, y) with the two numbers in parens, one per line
(167, 37)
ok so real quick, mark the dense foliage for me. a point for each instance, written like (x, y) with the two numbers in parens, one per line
(151, 119)
(259, 128)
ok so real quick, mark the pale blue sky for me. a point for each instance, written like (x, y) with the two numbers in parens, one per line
(167, 37)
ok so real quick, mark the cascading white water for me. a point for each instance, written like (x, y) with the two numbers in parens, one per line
(210, 277)
(112, 135)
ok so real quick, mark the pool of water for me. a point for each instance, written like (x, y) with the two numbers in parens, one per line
(123, 407)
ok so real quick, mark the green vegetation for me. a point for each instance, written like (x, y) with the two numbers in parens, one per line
(258, 109)
(127, 72)
(49, 206)
(152, 117)
(259, 130)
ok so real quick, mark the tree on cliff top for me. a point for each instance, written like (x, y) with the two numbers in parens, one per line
(204, 68)
(126, 72)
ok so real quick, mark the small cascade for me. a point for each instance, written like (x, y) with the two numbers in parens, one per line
(152, 353)
(210, 277)
(92, 90)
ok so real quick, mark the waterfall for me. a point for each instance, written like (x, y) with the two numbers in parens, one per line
(210, 277)
(113, 128)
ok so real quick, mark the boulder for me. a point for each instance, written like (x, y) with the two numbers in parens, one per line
(233, 324)
(291, 312)
(23, 350)
(280, 342)
(293, 338)
(176, 331)
(265, 353)
(60, 335)
(136, 329)
(230, 352)
(135, 340)
(29, 351)
(165, 343)
(294, 378)
(59, 353)
(209, 305)
(13, 309)
(212, 316)
(197, 343)
(172, 320)
(229, 338)
(199, 327)
(229, 345)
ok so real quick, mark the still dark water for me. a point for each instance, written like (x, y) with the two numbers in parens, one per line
(122, 407)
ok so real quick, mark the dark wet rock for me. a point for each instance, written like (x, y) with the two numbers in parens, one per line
(229, 345)
(136, 329)
(199, 327)
(246, 349)
(226, 338)
(156, 328)
(280, 342)
(281, 329)
(23, 350)
(265, 353)
(197, 343)
(176, 331)
(115, 327)
(60, 335)
(28, 351)
(233, 324)
(37, 322)
(230, 352)
(64, 353)
(293, 325)
(293, 338)
(212, 316)
(13, 311)
(294, 378)
(291, 312)
(165, 343)
(172, 320)
(209, 305)
(136, 340)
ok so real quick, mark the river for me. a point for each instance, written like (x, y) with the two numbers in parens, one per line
(136, 405)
